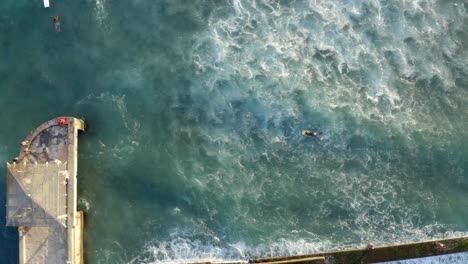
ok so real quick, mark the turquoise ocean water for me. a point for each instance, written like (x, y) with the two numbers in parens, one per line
(194, 112)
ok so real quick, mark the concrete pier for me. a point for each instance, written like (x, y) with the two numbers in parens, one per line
(42, 194)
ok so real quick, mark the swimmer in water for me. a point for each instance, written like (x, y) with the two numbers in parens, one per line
(58, 28)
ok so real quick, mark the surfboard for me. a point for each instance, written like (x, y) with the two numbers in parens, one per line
(309, 133)
(46, 3)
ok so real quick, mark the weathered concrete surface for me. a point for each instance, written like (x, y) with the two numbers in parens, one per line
(46, 241)
(216, 262)
(79, 254)
(45, 245)
(385, 253)
(36, 194)
(312, 260)
(72, 160)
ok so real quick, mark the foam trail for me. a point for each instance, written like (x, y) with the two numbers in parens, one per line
(101, 13)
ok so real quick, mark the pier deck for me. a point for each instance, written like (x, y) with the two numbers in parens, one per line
(42, 194)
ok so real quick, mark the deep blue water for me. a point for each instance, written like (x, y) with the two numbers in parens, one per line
(195, 110)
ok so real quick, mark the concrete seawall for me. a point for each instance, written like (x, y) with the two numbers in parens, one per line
(373, 254)
(386, 253)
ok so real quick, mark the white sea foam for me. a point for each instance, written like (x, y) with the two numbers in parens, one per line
(83, 204)
(344, 58)
(250, 184)
(183, 250)
(101, 12)
(180, 250)
(339, 44)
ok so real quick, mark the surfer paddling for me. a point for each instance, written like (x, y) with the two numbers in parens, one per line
(310, 133)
